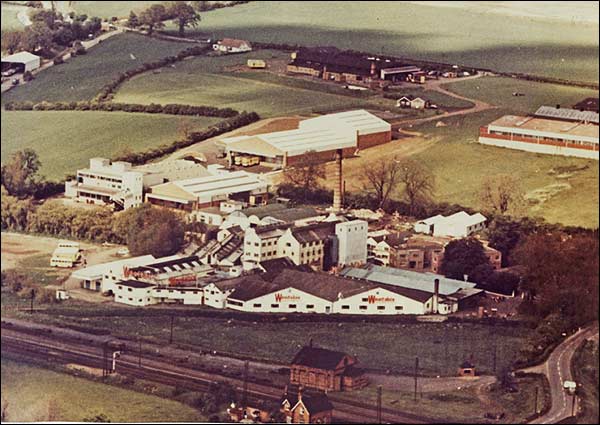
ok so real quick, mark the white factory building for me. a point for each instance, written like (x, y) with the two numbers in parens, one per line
(348, 131)
(210, 191)
(458, 225)
(352, 242)
(21, 62)
(554, 131)
(106, 183)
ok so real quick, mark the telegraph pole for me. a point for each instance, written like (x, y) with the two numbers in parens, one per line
(245, 388)
(32, 297)
(171, 334)
(535, 410)
(105, 360)
(139, 352)
(379, 404)
(416, 374)
(496, 352)
(573, 405)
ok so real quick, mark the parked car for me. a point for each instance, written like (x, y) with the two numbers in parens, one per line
(15, 81)
(9, 72)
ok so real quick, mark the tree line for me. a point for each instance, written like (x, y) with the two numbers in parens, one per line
(152, 108)
(107, 91)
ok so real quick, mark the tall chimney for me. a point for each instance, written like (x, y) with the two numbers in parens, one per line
(436, 294)
(337, 191)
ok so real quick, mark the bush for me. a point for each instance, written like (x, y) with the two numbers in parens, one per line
(27, 76)
(58, 60)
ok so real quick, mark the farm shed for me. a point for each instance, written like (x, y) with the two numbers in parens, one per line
(22, 61)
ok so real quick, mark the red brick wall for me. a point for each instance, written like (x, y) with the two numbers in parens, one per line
(374, 139)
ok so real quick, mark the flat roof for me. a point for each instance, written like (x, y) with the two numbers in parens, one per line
(20, 57)
(135, 284)
(547, 125)
(567, 114)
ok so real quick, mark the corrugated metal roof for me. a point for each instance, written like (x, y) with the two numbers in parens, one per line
(406, 279)
(567, 114)
(21, 57)
(357, 120)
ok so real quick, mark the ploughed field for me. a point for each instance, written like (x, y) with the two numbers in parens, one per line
(33, 393)
(82, 77)
(66, 140)
(564, 47)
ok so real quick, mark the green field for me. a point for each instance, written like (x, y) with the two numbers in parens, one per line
(66, 140)
(459, 164)
(9, 17)
(209, 81)
(585, 371)
(499, 91)
(29, 390)
(82, 77)
(108, 9)
(465, 35)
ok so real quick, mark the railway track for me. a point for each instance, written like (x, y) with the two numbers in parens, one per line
(160, 371)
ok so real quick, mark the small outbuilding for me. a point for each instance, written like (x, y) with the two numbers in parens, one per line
(256, 64)
(467, 368)
(22, 61)
(232, 45)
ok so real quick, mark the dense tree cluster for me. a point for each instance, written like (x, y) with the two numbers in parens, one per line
(150, 230)
(50, 32)
(463, 257)
(152, 108)
(306, 173)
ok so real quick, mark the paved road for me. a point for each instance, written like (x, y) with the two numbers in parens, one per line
(558, 369)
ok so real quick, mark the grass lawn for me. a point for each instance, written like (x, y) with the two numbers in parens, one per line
(440, 347)
(108, 9)
(208, 81)
(82, 77)
(498, 91)
(459, 164)
(65, 140)
(9, 17)
(465, 35)
(29, 390)
(585, 368)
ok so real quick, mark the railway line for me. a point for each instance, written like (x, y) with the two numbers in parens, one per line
(161, 371)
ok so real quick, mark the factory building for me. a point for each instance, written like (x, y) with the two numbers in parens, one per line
(459, 225)
(106, 183)
(102, 276)
(347, 131)
(210, 191)
(352, 242)
(555, 131)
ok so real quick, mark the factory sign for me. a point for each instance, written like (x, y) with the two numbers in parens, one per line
(372, 299)
(182, 280)
(281, 297)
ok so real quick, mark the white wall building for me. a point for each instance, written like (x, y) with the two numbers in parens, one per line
(133, 292)
(352, 242)
(106, 183)
(457, 225)
(102, 277)
(379, 300)
(23, 61)
(232, 45)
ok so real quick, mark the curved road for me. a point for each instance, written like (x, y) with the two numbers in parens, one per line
(558, 369)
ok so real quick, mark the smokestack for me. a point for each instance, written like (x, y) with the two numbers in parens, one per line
(436, 294)
(300, 393)
(337, 191)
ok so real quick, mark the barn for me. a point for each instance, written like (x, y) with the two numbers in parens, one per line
(22, 61)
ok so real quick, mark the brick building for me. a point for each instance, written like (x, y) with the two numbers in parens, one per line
(306, 407)
(326, 370)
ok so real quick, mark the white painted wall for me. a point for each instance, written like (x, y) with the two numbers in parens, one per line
(380, 301)
(138, 297)
(545, 149)
(282, 301)
(352, 238)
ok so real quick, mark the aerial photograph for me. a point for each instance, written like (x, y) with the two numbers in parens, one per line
(333, 212)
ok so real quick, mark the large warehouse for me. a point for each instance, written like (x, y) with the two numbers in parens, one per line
(555, 131)
(21, 62)
(349, 131)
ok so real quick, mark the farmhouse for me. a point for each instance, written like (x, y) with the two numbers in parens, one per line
(325, 135)
(201, 192)
(106, 183)
(232, 45)
(458, 225)
(21, 62)
(555, 131)
(326, 370)
(306, 407)
(412, 102)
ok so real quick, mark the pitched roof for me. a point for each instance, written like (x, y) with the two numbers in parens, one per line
(252, 287)
(135, 284)
(319, 358)
(567, 114)
(322, 285)
(20, 57)
(314, 232)
(233, 42)
(314, 401)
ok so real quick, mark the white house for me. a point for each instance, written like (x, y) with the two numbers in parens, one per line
(232, 45)
(411, 102)
(457, 225)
